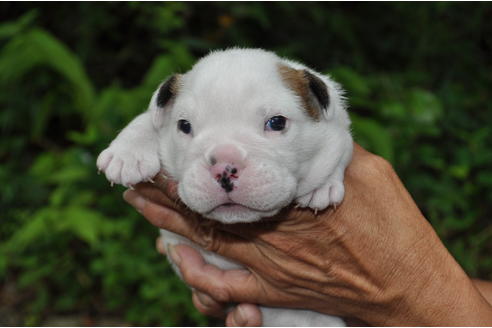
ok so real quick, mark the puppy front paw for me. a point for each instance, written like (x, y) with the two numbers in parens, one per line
(331, 193)
(126, 166)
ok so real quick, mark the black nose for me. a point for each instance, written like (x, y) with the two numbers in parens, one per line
(225, 182)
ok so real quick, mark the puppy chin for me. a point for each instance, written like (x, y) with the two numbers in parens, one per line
(230, 214)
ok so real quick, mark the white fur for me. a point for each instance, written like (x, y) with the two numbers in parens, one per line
(227, 97)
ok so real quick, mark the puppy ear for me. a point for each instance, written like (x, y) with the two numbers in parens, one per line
(319, 89)
(315, 94)
(163, 97)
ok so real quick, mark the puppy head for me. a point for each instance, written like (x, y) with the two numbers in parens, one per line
(239, 129)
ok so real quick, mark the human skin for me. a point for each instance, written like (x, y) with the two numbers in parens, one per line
(249, 314)
(374, 258)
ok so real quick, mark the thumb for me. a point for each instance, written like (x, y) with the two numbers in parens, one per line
(244, 315)
(238, 285)
(205, 233)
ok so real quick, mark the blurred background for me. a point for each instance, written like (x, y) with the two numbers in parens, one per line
(418, 79)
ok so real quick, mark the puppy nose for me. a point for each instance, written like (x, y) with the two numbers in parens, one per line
(226, 164)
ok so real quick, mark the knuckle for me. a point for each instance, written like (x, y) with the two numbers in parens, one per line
(145, 209)
(200, 305)
(206, 300)
(159, 245)
(209, 238)
(221, 294)
(380, 164)
(188, 275)
(213, 245)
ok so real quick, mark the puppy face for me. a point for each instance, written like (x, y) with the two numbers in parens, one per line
(239, 130)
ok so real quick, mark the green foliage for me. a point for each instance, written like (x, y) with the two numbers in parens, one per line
(63, 228)
(418, 83)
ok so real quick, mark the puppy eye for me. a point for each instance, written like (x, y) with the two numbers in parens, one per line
(276, 123)
(184, 126)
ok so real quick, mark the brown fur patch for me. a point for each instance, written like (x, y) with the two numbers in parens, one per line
(176, 85)
(297, 81)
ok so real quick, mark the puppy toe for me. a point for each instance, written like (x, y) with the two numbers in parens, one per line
(113, 171)
(321, 198)
(130, 173)
(304, 201)
(337, 192)
(149, 167)
(104, 159)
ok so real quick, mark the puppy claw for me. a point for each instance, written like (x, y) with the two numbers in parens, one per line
(151, 180)
(297, 205)
(111, 183)
(315, 211)
(131, 187)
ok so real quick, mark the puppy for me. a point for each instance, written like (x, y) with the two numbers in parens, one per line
(244, 133)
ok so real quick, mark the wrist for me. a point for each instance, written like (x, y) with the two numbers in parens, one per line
(440, 294)
(485, 288)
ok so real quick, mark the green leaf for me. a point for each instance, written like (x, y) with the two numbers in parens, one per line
(161, 68)
(69, 174)
(88, 137)
(38, 225)
(16, 60)
(10, 29)
(84, 223)
(355, 84)
(425, 106)
(373, 135)
(44, 165)
(393, 110)
(459, 171)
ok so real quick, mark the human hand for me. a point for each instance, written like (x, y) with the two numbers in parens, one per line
(375, 258)
(242, 315)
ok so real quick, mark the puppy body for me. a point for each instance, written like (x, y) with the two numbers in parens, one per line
(244, 133)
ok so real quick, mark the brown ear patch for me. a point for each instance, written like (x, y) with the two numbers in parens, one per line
(311, 89)
(168, 90)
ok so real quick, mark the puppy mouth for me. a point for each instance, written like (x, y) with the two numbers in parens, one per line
(233, 207)
(232, 212)
(230, 206)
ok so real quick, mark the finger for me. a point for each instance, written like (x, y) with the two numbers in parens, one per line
(222, 285)
(244, 315)
(167, 185)
(159, 245)
(358, 149)
(354, 322)
(162, 217)
(159, 196)
(214, 240)
(207, 305)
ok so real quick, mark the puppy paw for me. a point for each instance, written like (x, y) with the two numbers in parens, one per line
(127, 166)
(331, 193)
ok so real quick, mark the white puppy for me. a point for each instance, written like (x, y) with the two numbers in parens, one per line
(244, 133)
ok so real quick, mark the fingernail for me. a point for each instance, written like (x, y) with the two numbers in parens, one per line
(204, 299)
(159, 245)
(174, 255)
(239, 317)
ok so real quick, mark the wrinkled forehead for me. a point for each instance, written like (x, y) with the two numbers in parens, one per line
(228, 67)
(232, 85)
